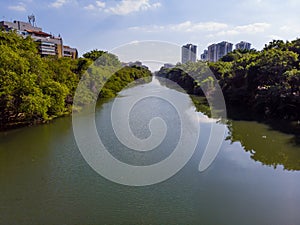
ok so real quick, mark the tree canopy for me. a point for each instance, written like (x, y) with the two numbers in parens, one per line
(266, 82)
(38, 89)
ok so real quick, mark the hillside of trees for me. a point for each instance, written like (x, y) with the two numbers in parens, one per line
(35, 89)
(266, 82)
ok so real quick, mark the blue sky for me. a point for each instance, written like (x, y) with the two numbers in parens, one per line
(106, 24)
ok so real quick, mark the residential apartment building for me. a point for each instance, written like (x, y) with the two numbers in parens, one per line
(18, 26)
(204, 56)
(49, 45)
(243, 45)
(188, 53)
(70, 52)
(217, 51)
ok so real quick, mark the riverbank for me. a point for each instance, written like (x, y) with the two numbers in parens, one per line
(44, 179)
(265, 83)
(35, 89)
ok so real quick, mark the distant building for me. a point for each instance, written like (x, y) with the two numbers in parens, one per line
(188, 53)
(70, 52)
(212, 53)
(169, 65)
(217, 51)
(18, 26)
(204, 56)
(48, 44)
(136, 64)
(243, 45)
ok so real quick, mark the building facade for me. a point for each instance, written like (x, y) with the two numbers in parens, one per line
(70, 52)
(243, 45)
(204, 56)
(188, 53)
(217, 51)
(18, 26)
(48, 45)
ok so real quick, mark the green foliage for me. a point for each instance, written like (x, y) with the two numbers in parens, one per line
(266, 82)
(82, 66)
(193, 77)
(106, 81)
(31, 88)
(122, 78)
(35, 89)
(94, 54)
(107, 60)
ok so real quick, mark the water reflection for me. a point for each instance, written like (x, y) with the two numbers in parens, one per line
(267, 146)
(45, 180)
(273, 144)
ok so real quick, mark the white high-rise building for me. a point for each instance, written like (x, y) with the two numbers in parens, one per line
(188, 53)
(217, 51)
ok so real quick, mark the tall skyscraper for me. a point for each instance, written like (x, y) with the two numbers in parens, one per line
(188, 53)
(217, 51)
(243, 45)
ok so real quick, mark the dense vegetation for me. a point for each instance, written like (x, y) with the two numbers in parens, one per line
(264, 82)
(35, 89)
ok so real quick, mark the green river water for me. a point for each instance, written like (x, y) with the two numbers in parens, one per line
(255, 178)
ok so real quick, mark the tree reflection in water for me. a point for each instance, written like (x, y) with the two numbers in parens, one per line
(270, 147)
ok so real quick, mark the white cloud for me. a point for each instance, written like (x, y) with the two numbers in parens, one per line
(253, 28)
(19, 7)
(148, 29)
(90, 7)
(227, 32)
(245, 29)
(129, 6)
(208, 32)
(99, 5)
(58, 3)
(220, 29)
(290, 28)
(186, 26)
(275, 37)
(156, 5)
